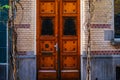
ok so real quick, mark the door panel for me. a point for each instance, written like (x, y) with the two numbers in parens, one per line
(58, 39)
(70, 39)
(46, 39)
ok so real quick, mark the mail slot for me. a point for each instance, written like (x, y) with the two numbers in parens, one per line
(47, 53)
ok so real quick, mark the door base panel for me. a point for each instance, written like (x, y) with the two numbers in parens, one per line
(64, 76)
(47, 76)
(70, 75)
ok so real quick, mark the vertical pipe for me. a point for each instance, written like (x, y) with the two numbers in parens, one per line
(6, 65)
(7, 51)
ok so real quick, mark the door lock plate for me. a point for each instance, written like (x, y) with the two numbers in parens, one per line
(56, 46)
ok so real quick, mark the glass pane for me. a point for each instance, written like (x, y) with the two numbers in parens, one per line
(4, 12)
(117, 26)
(69, 26)
(47, 26)
(2, 72)
(3, 26)
(3, 55)
(3, 39)
(117, 18)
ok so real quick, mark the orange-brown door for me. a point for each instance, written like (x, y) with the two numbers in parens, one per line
(58, 39)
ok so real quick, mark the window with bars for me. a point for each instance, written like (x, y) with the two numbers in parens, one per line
(47, 27)
(69, 26)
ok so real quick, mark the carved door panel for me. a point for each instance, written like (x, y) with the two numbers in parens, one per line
(70, 39)
(58, 39)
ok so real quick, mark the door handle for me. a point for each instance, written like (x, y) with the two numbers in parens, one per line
(56, 46)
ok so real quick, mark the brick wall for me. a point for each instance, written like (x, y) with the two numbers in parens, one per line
(102, 27)
(102, 22)
(25, 23)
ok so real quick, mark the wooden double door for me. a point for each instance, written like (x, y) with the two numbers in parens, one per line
(58, 39)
